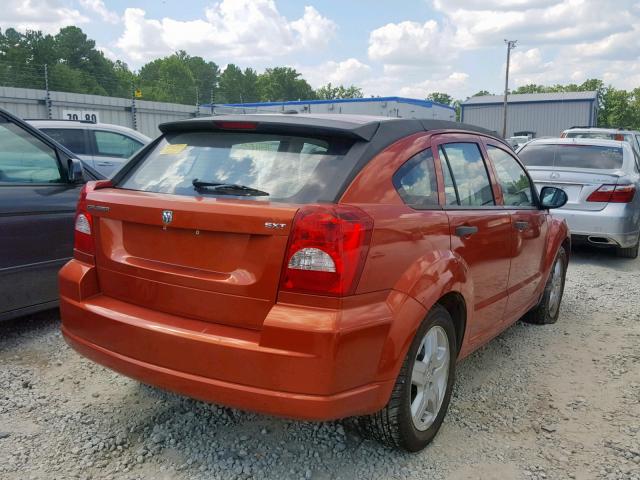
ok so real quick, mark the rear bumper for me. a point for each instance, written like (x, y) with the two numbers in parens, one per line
(616, 225)
(307, 363)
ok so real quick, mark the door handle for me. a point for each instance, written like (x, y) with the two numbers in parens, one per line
(521, 226)
(466, 230)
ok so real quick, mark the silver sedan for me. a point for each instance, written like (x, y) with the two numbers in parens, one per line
(601, 179)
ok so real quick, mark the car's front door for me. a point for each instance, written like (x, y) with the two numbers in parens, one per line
(37, 207)
(112, 150)
(529, 229)
(480, 230)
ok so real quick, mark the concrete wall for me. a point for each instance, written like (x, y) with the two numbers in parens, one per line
(29, 103)
(547, 119)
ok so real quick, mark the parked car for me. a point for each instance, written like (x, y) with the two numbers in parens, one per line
(621, 134)
(40, 181)
(601, 179)
(104, 146)
(313, 266)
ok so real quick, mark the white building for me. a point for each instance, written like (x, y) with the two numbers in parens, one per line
(381, 106)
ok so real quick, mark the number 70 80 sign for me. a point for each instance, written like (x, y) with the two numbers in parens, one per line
(86, 115)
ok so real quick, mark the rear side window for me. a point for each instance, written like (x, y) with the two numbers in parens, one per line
(416, 182)
(24, 158)
(572, 156)
(72, 138)
(514, 182)
(469, 176)
(112, 144)
(288, 168)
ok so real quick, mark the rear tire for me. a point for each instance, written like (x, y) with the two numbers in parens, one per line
(402, 423)
(548, 309)
(629, 252)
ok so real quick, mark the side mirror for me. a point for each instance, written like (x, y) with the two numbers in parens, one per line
(552, 197)
(75, 174)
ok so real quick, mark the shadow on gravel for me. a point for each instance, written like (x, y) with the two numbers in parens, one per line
(601, 257)
(30, 324)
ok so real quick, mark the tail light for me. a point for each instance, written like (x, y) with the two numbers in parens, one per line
(613, 194)
(618, 137)
(83, 228)
(327, 249)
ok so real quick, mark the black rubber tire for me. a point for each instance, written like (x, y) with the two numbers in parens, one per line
(630, 252)
(393, 424)
(540, 314)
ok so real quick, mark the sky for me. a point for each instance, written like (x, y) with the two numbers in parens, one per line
(387, 47)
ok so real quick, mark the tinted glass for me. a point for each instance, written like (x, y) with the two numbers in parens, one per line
(514, 182)
(572, 156)
(416, 181)
(112, 144)
(469, 172)
(72, 138)
(24, 158)
(287, 167)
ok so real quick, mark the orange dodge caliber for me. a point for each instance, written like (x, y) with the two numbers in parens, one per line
(312, 266)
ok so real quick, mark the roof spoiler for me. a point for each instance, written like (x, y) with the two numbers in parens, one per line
(276, 124)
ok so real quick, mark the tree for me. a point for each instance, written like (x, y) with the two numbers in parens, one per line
(283, 84)
(438, 97)
(329, 92)
(231, 85)
(481, 93)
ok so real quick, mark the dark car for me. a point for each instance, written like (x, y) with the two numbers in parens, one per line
(40, 181)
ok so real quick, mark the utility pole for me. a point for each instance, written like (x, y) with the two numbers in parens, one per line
(511, 44)
(134, 123)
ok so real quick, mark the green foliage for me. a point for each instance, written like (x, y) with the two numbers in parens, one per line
(440, 97)
(329, 92)
(281, 84)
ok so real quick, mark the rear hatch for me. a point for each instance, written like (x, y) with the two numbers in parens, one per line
(210, 252)
(579, 170)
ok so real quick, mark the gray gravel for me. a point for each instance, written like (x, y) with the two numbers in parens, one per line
(559, 401)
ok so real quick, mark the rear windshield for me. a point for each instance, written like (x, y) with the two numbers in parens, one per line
(572, 156)
(288, 168)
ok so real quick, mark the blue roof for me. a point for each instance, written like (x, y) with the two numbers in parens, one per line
(411, 101)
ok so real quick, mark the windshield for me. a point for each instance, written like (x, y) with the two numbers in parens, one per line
(572, 156)
(287, 168)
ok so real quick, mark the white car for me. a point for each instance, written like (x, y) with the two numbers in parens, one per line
(103, 146)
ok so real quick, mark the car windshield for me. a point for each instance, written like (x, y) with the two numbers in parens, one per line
(287, 168)
(572, 156)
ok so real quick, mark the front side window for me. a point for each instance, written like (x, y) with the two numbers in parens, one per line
(72, 138)
(24, 158)
(514, 182)
(416, 182)
(112, 144)
(291, 168)
(469, 175)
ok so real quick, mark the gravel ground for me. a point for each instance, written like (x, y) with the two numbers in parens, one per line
(558, 401)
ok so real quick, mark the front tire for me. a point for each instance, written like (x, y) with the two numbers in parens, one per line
(548, 309)
(422, 392)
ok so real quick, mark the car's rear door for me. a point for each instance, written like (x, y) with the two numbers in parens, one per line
(528, 228)
(37, 207)
(480, 229)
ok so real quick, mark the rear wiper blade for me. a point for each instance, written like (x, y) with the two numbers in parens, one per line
(228, 188)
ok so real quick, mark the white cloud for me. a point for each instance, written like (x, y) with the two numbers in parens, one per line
(98, 7)
(237, 30)
(406, 43)
(347, 72)
(46, 15)
(454, 84)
